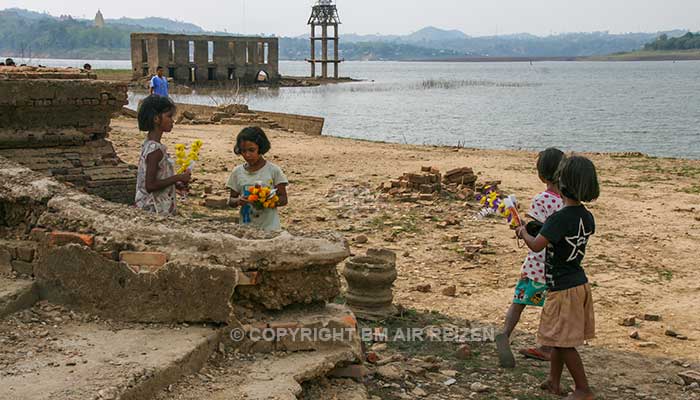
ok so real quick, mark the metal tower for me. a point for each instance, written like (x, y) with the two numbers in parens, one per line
(324, 14)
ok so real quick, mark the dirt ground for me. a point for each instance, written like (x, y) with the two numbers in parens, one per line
(642, 260)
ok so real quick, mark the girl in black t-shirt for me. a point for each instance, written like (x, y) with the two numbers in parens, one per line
(567, 318)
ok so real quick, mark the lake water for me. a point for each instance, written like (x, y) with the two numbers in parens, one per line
(651, 107)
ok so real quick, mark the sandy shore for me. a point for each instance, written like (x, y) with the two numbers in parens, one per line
(643, 259)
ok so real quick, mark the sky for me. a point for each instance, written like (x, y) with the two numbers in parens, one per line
(475, 18)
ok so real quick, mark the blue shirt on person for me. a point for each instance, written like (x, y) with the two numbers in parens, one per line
(159, 85)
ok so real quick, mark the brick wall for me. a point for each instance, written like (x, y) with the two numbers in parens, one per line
(56, 121)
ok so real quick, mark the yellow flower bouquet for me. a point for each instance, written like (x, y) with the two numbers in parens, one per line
(186, 160)
(262, 197)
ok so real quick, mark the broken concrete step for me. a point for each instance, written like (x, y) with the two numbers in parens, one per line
(16, 295)
(264, 378)
(312, 328)
(100, 361)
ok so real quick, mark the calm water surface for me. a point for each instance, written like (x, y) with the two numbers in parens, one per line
(651, 107)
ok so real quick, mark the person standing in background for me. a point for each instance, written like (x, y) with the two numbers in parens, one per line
(159, 84)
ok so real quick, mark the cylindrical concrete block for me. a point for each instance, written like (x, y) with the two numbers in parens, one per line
(370, 279)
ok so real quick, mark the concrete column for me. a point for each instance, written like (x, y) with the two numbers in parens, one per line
(273, 59)
(201, 59)
(336, 56)
(152, 55)
(182, 60)
(136, 60)
(163, 55)
(313, 50)
(324, 50)
(221, 59)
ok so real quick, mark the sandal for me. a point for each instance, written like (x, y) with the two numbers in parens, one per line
(535, 354)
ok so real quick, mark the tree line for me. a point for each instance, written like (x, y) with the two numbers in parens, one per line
(688, 41)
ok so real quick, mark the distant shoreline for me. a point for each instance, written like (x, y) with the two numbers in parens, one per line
(685, 55)
(688, 55)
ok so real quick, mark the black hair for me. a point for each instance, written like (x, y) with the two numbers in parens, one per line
(159, 67)
(87, 66)
(548, 162)
(578, 179)
(252, 134)
(151, 107)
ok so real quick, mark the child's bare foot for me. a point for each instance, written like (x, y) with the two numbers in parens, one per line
(579, 394)
(505, 355)
(548, 387)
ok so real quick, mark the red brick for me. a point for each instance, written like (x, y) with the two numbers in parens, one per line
(64, 238)
(349, 321)
(464, 352)
(284, 325)
(150, 258)
(249, 278)
(372, 357)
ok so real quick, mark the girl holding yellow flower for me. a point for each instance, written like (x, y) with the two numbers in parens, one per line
(259, 187)
(156, 179)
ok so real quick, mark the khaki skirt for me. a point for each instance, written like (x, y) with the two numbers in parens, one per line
(567, 318)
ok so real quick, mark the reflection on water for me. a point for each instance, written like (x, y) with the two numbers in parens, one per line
(650, 107)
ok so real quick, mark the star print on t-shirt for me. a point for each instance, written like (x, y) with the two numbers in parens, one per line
(578, 242)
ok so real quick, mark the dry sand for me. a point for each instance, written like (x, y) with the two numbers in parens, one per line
(643, 258)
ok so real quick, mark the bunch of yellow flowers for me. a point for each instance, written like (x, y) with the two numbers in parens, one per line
(260, 197)
(184, 159)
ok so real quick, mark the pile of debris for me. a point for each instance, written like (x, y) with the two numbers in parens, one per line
(232, 114)
(412, 187)
(461, 182)
(429, 183)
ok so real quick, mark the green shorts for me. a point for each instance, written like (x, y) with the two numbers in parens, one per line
(530, 293)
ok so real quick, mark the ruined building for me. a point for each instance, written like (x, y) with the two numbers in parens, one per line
(100, 300)
(201, 59)
(56, 121)
(325, 15)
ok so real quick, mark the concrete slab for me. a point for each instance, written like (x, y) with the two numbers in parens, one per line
(94, 360)
(272, 377)
(16, 294)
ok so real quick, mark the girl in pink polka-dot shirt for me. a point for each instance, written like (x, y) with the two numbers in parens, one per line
(531, 287)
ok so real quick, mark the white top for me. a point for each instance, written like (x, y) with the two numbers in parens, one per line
(543, 206)
(241, 180)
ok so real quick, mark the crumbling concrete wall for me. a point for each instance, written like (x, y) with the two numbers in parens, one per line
(206, 58)
(194, 270)
(295, 122)
(56, 121)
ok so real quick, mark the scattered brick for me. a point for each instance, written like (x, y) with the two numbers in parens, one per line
(64, 238)
(464, 352)
(143, 258)
(372, 357)
(652, 317)
(218, 203)
(249, 278)
(424, 288)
